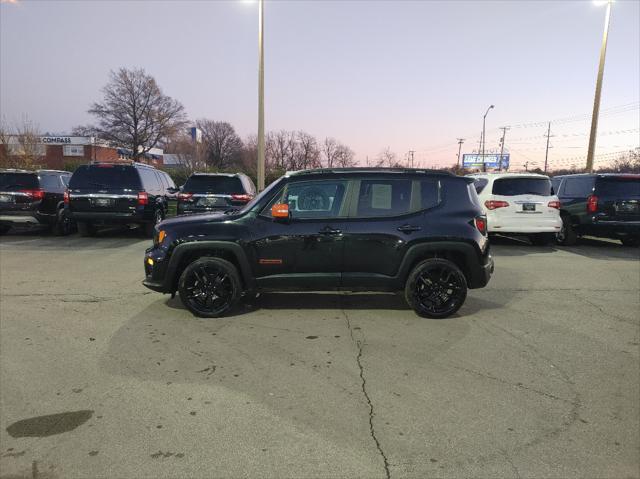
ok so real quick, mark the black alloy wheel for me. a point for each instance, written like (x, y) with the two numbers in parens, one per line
(209, 287)
(436, 288)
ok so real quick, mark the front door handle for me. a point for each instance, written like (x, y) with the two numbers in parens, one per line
(329, 231)
(408, 228)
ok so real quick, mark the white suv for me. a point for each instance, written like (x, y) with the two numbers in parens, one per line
(519, 203)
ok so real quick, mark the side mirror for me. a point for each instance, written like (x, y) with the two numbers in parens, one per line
(280, 211)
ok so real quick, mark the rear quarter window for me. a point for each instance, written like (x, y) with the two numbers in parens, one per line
(18, 181)
(50, 183)
(480, 184)
(105, 177)
(522, 186)
(577, 187)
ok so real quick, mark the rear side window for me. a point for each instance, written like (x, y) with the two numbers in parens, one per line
(522, 186)
(221, 185)
(105, 177)
(577, 187)
(480, 184)
(619, 187)
(18, 181)
(384, 197)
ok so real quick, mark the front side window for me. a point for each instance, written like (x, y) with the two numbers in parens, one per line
(312, 199)
(384, 197)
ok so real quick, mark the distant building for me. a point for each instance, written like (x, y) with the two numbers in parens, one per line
(55, 151)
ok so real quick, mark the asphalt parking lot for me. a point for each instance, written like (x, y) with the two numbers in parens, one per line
(538, 375)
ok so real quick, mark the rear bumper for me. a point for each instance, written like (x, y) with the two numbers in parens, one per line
(529, 224)
(480, 276)
(611, 228)
(19, 219)
(108, 217)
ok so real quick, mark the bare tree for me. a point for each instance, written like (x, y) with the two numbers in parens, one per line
(329, 148)
(21, 146)
(387, 158)
(187, 152)
(134, 112)
(306, 153)
(344, 156)
(221, 145)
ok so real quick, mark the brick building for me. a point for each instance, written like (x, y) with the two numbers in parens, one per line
(54, 152)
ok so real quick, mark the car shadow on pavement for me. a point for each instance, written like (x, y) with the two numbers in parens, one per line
(110, 237)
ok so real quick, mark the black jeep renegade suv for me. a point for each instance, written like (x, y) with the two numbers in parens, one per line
(351, 229)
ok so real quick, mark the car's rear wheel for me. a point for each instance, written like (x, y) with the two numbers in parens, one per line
(4, 229)
(542, 239)
(63, 224)
(209, 287)
(436, 288)
(567, 235)
(86, 229)
(631, 241)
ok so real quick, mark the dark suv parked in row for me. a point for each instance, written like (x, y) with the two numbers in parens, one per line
(204, 192)
(33, 198)
(351, 229)
(604, 205)
(118, 193)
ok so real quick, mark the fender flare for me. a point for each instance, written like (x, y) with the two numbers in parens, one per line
(207, 245)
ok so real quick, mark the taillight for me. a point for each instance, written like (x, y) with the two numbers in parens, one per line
(143, 198)
(554, 204)
(66, 197)
(34, 194)
(592, 204)
(241, 198)
(184, 196)
(481, 224)
(495, 204)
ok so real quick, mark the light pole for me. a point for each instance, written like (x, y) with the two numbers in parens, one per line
(460, 142)
(260, 172)
(484, 122)
(596, 100)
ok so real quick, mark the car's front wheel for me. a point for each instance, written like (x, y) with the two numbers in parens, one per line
(436, 288)
(210, 287)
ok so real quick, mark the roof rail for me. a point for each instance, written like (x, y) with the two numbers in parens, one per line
(368, 170)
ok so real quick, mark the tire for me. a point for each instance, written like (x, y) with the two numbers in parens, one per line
(150, 228)
(631, 241)
(429, 281)
(86, 229)
(4, 229)
(63, 225)
(205, 278)
(567, 235)
(541, 239)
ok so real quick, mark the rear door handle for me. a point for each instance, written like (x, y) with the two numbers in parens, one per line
(329, 231)
(409, 228)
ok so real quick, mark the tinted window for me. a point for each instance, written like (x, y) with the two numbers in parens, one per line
(577, 187)
(50, 183)
(170, 182)
(522, 186)
(429, 193)
(18, 181)
(479, 184)
(555, 184)
(104, 177)
(620, 187)
(149, 179)
(65, 180)
(384, 197)
(311, 199)
(221, 185)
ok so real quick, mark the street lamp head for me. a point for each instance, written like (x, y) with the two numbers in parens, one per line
(490, 107)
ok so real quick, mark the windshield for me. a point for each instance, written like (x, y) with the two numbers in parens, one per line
(266, 192)
(221, 185)
(619, 187)
(522, 186)
(18, 181)
(105, 177)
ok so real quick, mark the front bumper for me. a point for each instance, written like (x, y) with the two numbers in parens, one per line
(155, 266)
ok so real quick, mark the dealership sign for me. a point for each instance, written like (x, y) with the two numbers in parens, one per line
(491, 160)
(66, 140)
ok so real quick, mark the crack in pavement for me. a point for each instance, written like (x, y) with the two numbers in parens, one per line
(363, 382)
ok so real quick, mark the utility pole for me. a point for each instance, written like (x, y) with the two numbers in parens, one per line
(504, 133)
(460, 142)
(526, 166)
(411, 152)
(484, 137)
(261, 150)
(596, 100)
(546, 155)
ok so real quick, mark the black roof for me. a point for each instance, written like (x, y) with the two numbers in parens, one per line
(600, 175)
(13, 170)
(369, 170)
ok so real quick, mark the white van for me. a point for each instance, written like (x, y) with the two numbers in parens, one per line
(519, 203)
